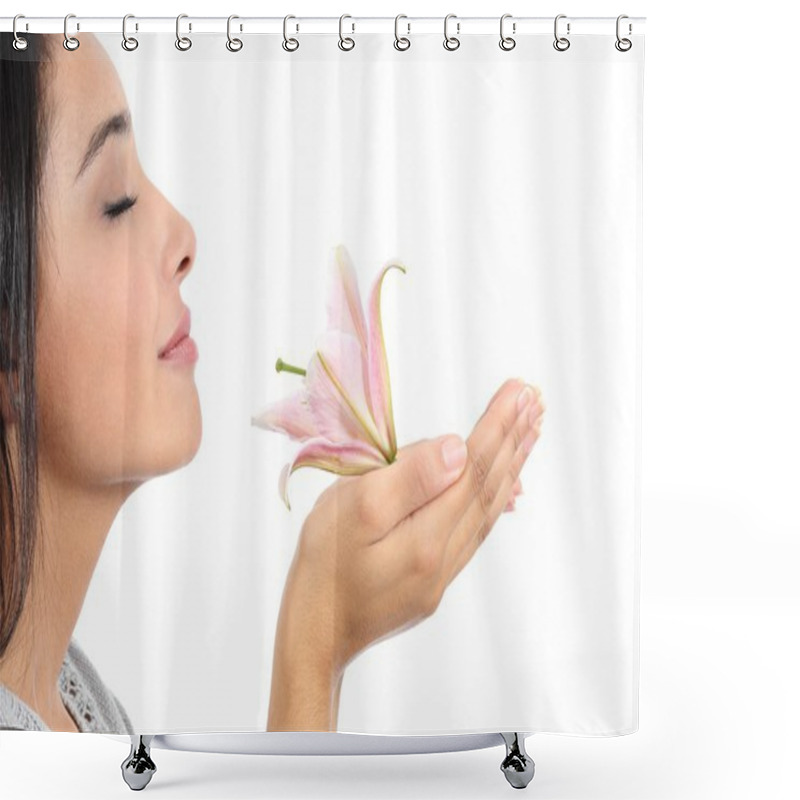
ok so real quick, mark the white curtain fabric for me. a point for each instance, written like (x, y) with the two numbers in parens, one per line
(509, 185)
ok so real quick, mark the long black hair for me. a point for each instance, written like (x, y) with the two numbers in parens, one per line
(23, 140)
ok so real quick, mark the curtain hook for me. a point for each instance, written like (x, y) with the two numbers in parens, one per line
(295, 44)
(451, 42)
(70, 42)
(128, 42)
(349, 40)
(401, 43)
(234, 45)
(561, 43)
(506, 42)
(623, 45)
(181, 42)
(19, 43)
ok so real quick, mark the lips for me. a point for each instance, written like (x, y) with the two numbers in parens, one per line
(181, 332)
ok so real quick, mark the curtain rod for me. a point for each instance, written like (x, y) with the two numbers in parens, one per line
(325, 25)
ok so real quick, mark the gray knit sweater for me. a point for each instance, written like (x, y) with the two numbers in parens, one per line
(92, 705)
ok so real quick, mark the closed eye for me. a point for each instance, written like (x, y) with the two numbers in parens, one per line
(120, 207)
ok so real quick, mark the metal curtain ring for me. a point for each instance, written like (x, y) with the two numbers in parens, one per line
(181, 42)
(234, 45)
(561, 43)
(19, 43)
(451, 42)
(623, 45)
(70, 42)
(295, 44)
(128, 42)
(506, 42)
(401, 43)
(350, 42)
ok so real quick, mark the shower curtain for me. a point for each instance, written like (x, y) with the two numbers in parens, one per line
(373, 248)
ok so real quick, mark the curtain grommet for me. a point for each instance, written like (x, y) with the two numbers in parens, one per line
(451, 42)
(348, 39)
(289, 44)
(623, 44)
(19, 43)
(183, 43)
(561, 43)
(401, 42)
(233, 44)
(70, 42)
(507, 42)
(128, 43)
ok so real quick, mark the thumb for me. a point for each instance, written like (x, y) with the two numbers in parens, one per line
(420, 472)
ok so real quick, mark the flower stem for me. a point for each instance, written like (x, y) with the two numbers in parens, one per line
(282, 366)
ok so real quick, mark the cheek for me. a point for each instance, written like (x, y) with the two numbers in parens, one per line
(95, 374)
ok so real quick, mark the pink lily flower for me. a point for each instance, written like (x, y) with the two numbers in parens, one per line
(343, 411)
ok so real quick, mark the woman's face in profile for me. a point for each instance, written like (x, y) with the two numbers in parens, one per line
(111, 409)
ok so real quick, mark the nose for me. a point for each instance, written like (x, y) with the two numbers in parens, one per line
(181, 249)
(187, 249)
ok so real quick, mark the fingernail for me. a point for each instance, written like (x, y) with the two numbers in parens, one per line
(454, 453)
(524, 397)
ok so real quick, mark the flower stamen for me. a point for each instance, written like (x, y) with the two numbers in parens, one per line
(282, 366)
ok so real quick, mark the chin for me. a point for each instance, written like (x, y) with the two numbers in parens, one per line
(193, 435)
(178, 445)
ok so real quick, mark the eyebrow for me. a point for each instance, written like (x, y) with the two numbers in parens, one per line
(116, 125)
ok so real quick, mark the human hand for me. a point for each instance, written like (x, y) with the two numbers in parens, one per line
(378, 550)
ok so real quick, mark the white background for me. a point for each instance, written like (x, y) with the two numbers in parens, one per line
(720, 609)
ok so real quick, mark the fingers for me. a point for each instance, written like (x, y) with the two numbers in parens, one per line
(461, 547)
(437, 534)
(517, 490)
(422, 471)
(497, 435)
(511, 446)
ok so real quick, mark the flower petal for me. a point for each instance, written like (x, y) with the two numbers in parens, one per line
(380, 392)
(345, 312)
(351, 458)
(337, 393)
(291, 415)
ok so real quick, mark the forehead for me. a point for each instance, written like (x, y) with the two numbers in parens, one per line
(83, 90)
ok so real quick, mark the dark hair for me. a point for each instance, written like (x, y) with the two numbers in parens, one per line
(23, 139)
